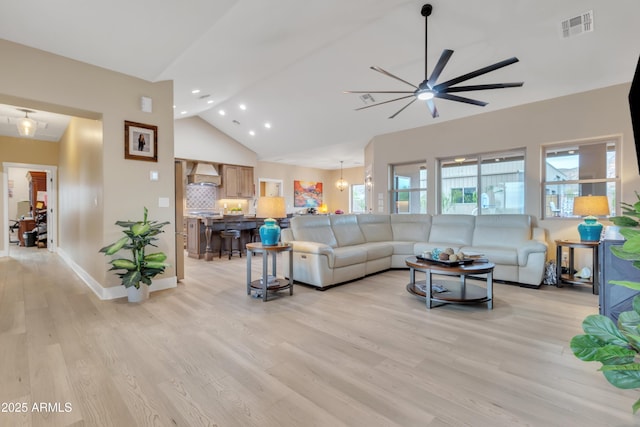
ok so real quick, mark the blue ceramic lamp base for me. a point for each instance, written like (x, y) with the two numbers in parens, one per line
(270, 232)
(590, 230)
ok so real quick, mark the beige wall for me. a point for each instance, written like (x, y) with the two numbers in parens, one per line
(44, 81)
(337, 199)
(289, 173)
(602, 112)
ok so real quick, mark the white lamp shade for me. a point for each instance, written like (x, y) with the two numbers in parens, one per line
(271, 207)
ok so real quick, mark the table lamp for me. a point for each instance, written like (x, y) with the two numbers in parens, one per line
(270, 208)
(590, 207)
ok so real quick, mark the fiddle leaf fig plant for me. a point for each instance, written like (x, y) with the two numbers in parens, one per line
(141, 267)
(617, 347)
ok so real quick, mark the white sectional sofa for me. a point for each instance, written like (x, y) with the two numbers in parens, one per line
(332, 249)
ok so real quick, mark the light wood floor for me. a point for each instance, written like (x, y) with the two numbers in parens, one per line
(363, 354)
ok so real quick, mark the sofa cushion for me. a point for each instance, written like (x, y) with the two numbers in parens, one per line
(403, 248)
(348, 255)
(375, 227)
(451, 230)
(377, 250)
(502, 230)
(313, 228)
(495, 254)
(346, 230)
(410, 227)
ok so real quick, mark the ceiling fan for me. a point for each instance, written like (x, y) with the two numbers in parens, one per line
(428, 89)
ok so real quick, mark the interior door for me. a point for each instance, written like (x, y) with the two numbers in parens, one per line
(180, 182)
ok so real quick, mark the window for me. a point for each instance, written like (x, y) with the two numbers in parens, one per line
(579, 169)
(482, 184)
(409, 188)
(357, 202)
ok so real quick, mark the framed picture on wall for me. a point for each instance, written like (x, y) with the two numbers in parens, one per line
(307, 194)
(140, 141)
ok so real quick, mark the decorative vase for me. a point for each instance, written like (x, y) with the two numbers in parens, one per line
(270, 232)
(138, 294)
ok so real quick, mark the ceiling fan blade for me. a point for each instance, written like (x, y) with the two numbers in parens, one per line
(460, 99)
(402, 109)
(442, 62)
(385, 102)
(377, 91)
(432, 108)
(482, 87)
(476, 73)
(386, 73)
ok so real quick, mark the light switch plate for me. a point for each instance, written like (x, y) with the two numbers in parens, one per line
(163, 202)
(153, 175)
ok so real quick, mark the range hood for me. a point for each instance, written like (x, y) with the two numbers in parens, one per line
(203, 174)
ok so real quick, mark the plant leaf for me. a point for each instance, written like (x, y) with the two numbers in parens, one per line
(603, 329)
(131, 278)
(632, 244)
(624, 221)
(585, 347)
(624, 379)
(626, 283)
(636, 406)
(619, 252)
(115, 247)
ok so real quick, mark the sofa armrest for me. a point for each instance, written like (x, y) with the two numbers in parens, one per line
(539, 234)
(311, 247)
(531, 247)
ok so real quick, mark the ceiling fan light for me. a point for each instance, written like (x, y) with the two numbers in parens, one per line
(425, 95)
(26, 126)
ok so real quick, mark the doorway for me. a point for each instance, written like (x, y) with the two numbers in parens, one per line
(19, 202)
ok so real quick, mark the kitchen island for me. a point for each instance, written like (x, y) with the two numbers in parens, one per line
(203, 232)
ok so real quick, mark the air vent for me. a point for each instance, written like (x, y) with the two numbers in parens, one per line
(367, 99)
(576, 25)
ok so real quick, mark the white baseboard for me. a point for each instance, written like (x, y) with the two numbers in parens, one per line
(114, 291)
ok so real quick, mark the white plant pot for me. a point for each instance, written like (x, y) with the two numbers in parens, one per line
(138, 295)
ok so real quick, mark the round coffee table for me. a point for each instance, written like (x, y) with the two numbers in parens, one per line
(452, 292)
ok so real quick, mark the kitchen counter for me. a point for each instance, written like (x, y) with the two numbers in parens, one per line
(197, 226)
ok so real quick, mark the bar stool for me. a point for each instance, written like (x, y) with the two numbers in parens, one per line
(228, 236)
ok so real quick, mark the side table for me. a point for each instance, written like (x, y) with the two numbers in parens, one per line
(569, 277)
(277, 284)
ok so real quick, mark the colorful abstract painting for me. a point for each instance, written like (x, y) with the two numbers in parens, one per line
(307, 194)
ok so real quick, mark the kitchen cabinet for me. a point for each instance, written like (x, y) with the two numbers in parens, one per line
(237, 182)
(195, 238)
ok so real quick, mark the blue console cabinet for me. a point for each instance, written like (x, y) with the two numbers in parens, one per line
(615, 299)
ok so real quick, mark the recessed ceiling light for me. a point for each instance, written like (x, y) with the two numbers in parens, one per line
(252, 133)
(243, 107)
(222, 112)
(267, 125)
(195, 91)
(174, 106)
(210, 101)
(183, 112)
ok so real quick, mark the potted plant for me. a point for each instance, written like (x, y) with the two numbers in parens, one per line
(617, 347)
(141, 267)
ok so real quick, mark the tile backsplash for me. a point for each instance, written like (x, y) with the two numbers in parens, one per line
(201, 196)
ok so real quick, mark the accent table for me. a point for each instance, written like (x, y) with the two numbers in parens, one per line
(461, 293)
(263, 284)
(569, 277)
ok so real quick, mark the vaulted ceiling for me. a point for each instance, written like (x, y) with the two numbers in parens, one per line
(289, 61)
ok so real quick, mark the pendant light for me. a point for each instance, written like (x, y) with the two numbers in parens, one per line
(26, 126)
(341, 183)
